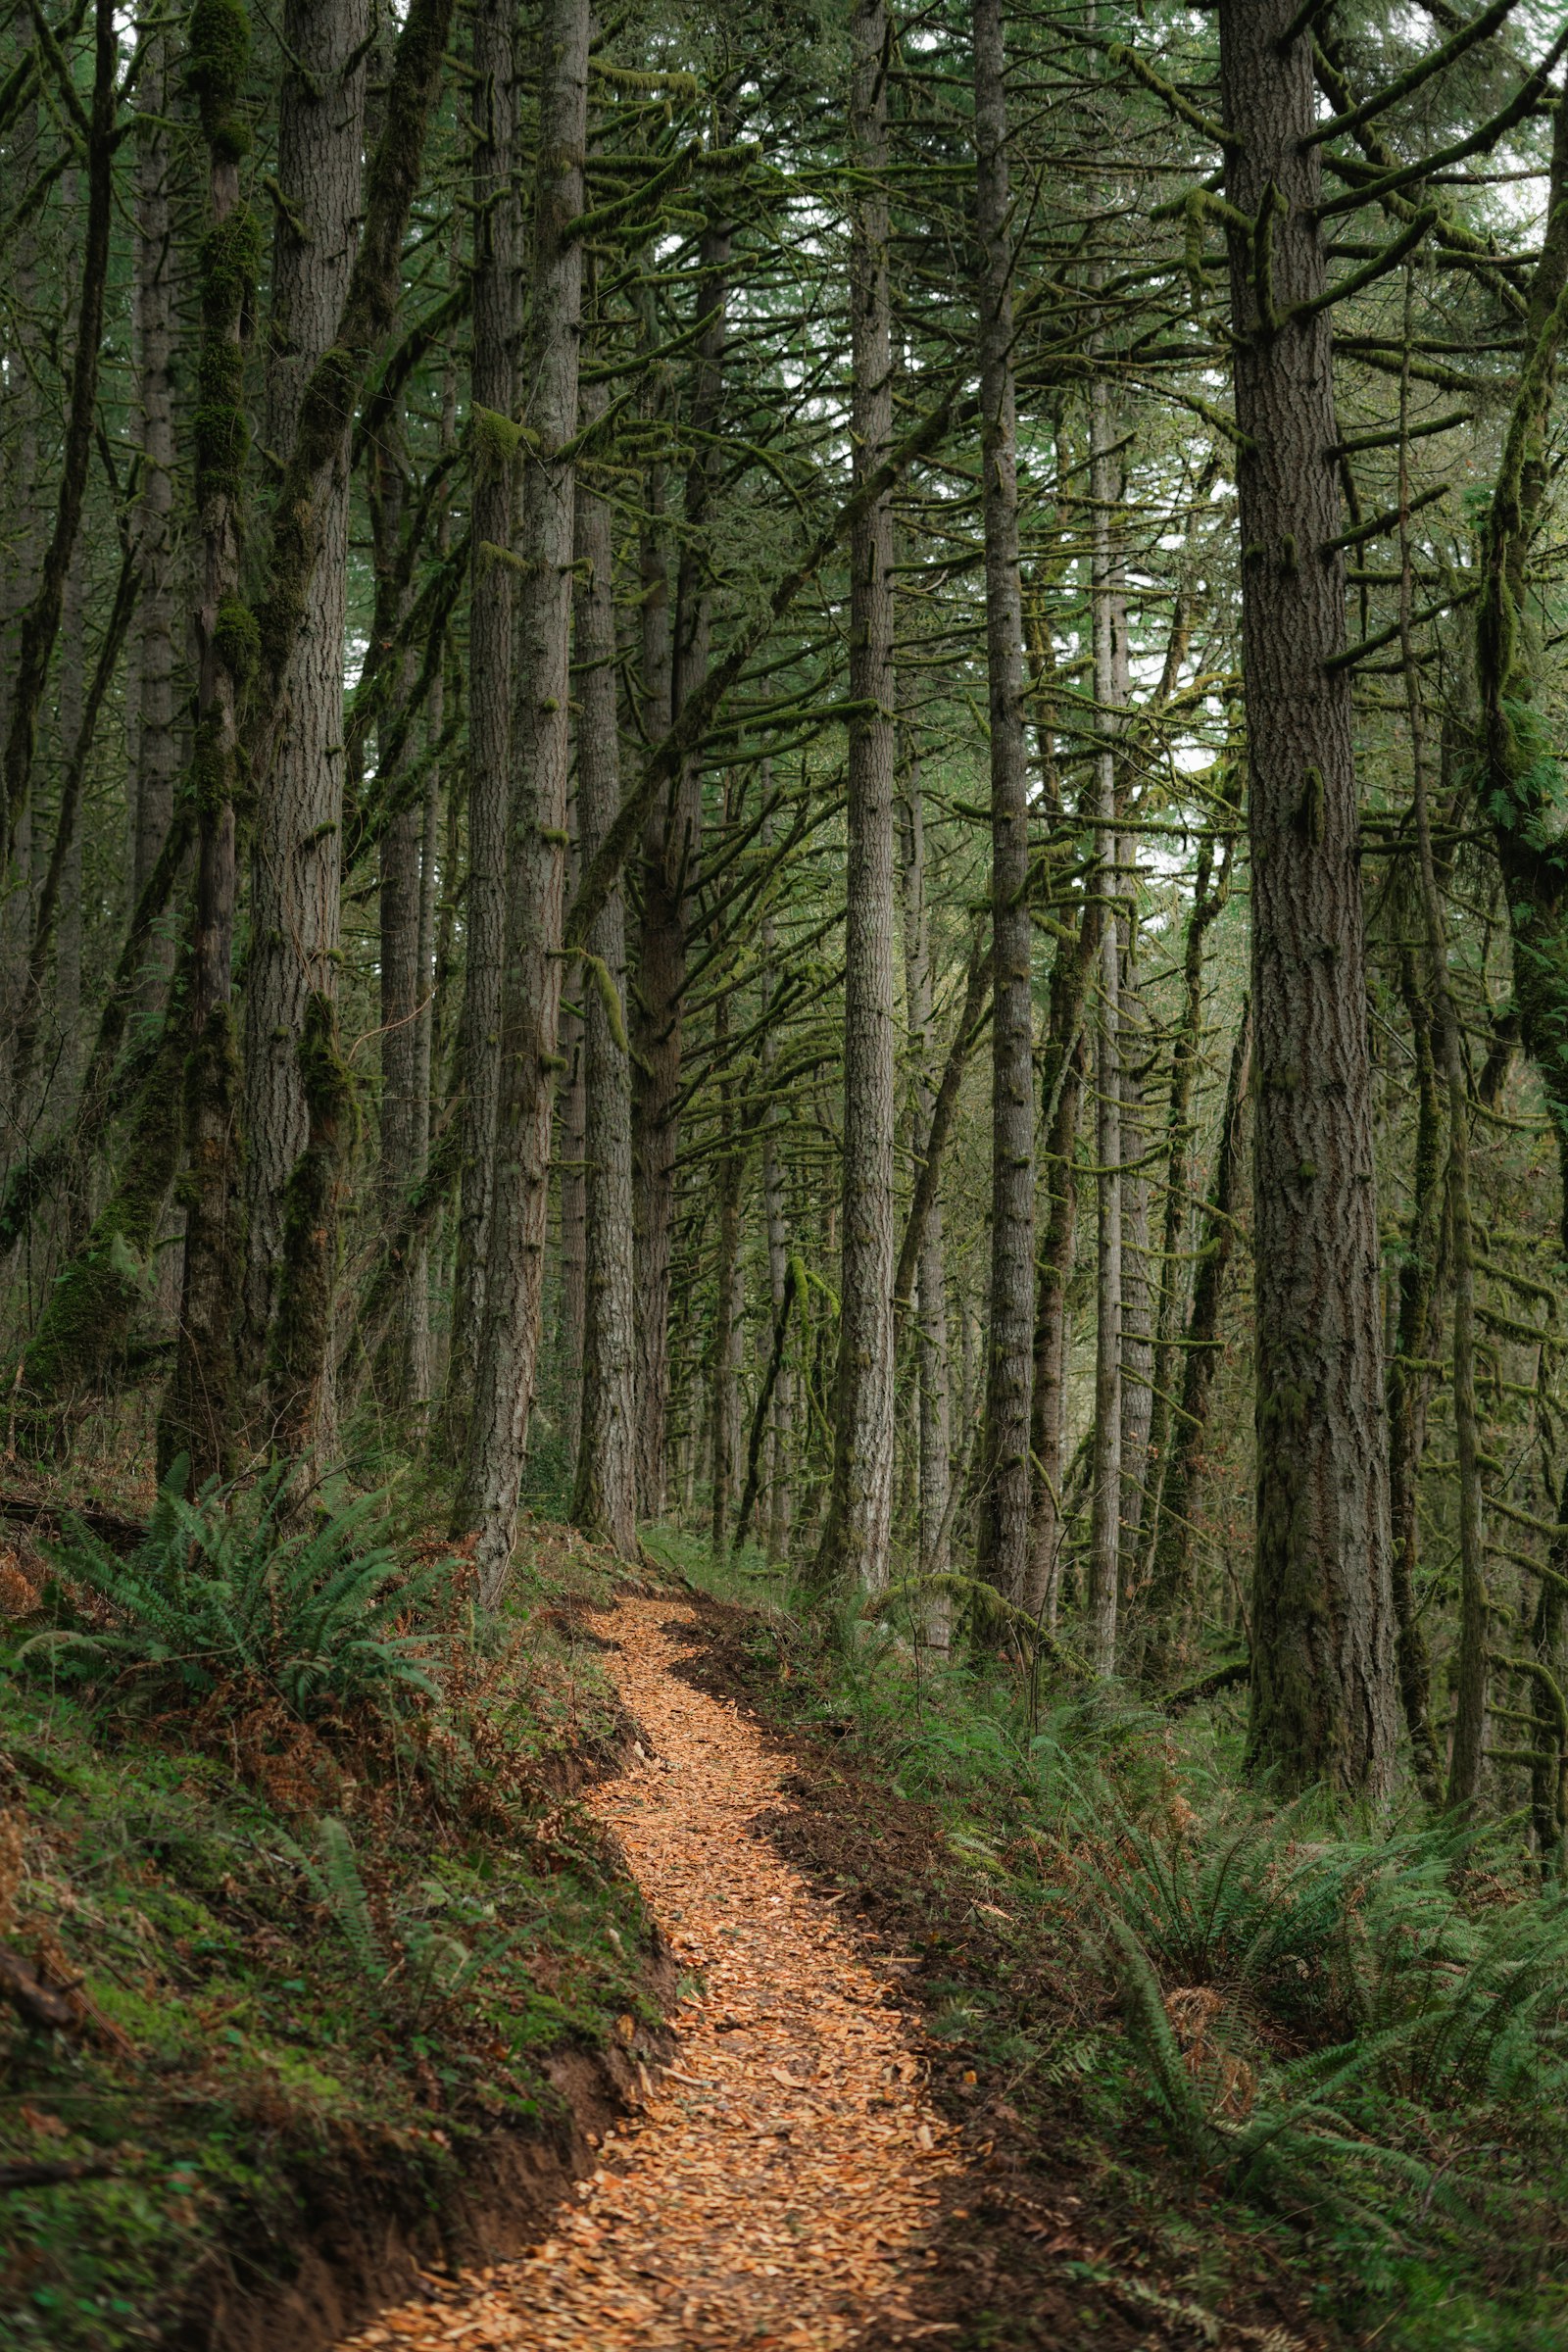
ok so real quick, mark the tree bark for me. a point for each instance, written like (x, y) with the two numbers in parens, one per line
(200, 1411)
(1005, 1488)
(1138, 1058)
(40, 622)
(1409, 1383)
(1168, 1600)
(1208, 898)
(496, 289)
(931, 1295)
(296, 858)
(1063, 1083)
(675, 659)
(605, 1501)
(1108, 620)
(724, 1390)
(856, 1536)
(1323, 1683)
(537, 816)
(157, 749)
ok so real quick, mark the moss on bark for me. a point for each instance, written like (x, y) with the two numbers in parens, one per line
(300, 1353)
(84, 1326)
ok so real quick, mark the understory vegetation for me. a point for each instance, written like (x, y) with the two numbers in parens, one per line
(295, 1928)
(1348, 2041)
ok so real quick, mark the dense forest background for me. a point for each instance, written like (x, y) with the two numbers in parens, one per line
(800, 772)
(785, 781)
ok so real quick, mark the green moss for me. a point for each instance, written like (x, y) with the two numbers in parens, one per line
(306, 1280)
(496, 442)
(201, 1406)
(228, 263)
(217, 63)
(238, 640)
(86, 1320)
(212, 765)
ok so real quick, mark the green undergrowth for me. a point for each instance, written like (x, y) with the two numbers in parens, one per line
(320, 1895)
(1345, 2041)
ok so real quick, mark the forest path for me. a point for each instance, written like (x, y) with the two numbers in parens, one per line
(776, 2184)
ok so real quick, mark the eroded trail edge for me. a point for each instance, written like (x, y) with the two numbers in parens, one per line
(778, 2181)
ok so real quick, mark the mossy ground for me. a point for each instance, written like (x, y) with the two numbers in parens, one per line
(267, 2033)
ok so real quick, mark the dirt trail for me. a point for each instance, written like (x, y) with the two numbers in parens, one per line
(777, 2183)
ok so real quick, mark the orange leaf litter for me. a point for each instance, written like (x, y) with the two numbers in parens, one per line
(779, 2177)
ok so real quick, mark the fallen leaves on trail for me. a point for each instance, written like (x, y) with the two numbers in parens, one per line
(776, 2184)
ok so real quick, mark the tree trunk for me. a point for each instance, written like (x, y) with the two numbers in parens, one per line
(1323, 1686)
(1004, 1549)
(781, 1421)
(69, 709)
(405, 1103)
(40, 622)
(400, 849)
(931, 1293)
(855, 1540)
(291, 971)
(668, 854)
(571, 1193)
(724, 1406)
(157, 750)
(200, 1412)
(604, 1503)
(1409, 1383)
(20, 554)
(490, 646)
(537, 839)
(674, 665)
(1208, 896)
(1107, 619)
(1467, 1758)
(1063, 1080)
(1137, 1056)
(1168, 1600)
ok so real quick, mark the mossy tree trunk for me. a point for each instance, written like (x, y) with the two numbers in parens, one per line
(494, 106)
(1004, 1532)
(776, 1211)
(296, 853)
(1410, 1380)
(536, 842)
(1062, 1085)
(1520, 782)
(299, 1358)
(1324, 1701)
(40, 621)
(157, 748)
(931, 1284)
(856, 1541)
(1165, 1605)
(604, 1497)
(1209, 893)
(675, 661)
(1107, 624)
(200, 1414)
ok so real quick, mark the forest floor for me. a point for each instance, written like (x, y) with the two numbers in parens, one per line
(788, 2170)
(683, 1971)
(791, 2180)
